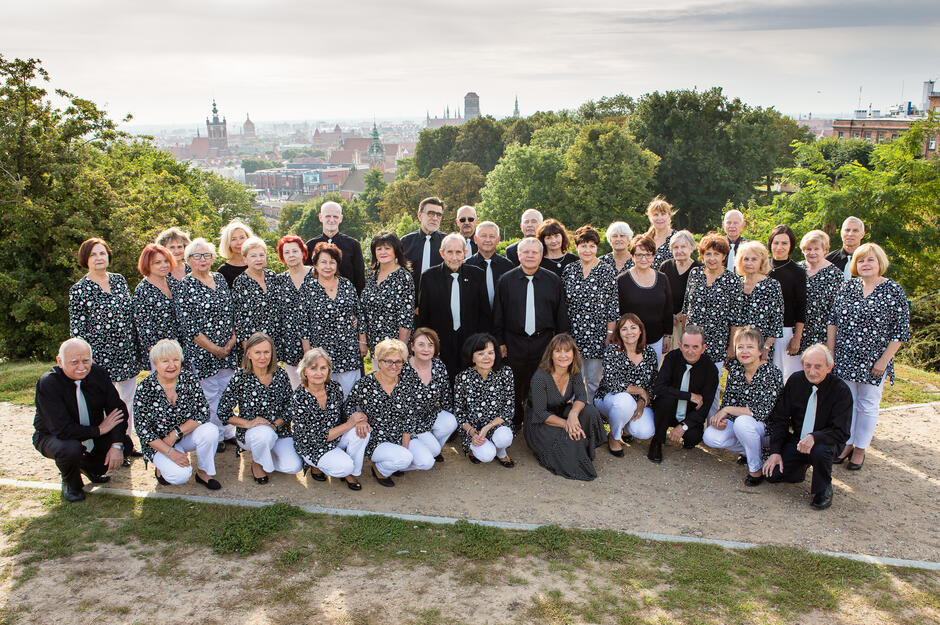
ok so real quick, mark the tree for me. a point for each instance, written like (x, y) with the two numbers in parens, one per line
(434, 148)
(456, 184)
(838, 152)
(406, 168)
(292, 153)
(251, 165)
(560, 136)
(613, 108)
(517, 131)
(525, 177)
(608, 176)
(374, 186)
(402, 197)
(479, 141)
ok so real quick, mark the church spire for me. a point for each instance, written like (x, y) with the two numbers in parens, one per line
(515, 110)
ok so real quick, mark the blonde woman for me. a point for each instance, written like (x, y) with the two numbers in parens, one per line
(762, 301)
(233, 235)
(660, 213)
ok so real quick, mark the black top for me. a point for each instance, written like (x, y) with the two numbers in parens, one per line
(57, 407)
(792, 279)
(386, 306)
(592, 303)
(621, 373)
(352, 267)
(663, 252)
(253, 399)
(551, 311)
(391, 416)
(294, 305)
(155, 417)
(155, 316)
(839, 258)
(653, 305)
(106, 322)
(332, 324)
(311, 423)
(209, 311)
(760, 394)
(610, 260)
(230, 272)
(703, 379)
(433, 397)
(257, 309)
(762, 308)
(822, 288)
(434, 300)
(677, 281)
(478, 401)
(713, 307)
(413, 246)
(499, 265)
(512, 254)
(557, 265)
(833, 412)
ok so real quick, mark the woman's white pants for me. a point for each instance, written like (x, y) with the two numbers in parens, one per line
(213, 387)
(390, 457)
(866, 401)
(496, 448)
(787, 364)
(745, 435)
(346, 458)
(271, 452)
(203, 440)
(619, 409)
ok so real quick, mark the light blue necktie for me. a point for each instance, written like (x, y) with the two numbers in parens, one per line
(426, 254)
(683, 404)
(490, 291)
(530, 307)
(455, 300)
(730, 266)
(83, 413)
(847, 271)
(809, 417)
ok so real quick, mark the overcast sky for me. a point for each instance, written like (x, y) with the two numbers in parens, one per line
(277, 59)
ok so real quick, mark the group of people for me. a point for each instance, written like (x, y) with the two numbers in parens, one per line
(465, 341)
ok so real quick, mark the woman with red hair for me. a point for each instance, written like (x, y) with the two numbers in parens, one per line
(154, 300)
(296, 286)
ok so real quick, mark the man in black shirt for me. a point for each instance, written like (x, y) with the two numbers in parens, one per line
(352, 266)
(466, 224)
(733, 224)
(79, 419)
(531, 220)
(852, 233)
(684, 389)
(529, 309)
(809, 425)
(423, 246)
(455, 314)
(486, 258)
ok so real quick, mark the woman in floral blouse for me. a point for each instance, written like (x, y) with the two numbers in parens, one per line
(483, 402)
(618, 235)
(823, 282)
(154, 300)
(295, 291)
(660, 213)
(435, 417)
(388, 299)
(261, 392)
(173, 420)
(256, 295)
(761, 304)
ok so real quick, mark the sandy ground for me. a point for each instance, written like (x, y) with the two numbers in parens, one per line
(889, 508)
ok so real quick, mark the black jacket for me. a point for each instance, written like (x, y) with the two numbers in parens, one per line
(833, 412)
(434, 301)
(703, 379)
(57, 408)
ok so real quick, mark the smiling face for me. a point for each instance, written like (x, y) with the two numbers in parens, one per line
(681, 250)
(852, 234)
(75, 362)
(238, 237)
(713, 259)
(384, 253)
(661, 220)
(587, 251)
(733, 224)
(317, 372)
(692, 346)
(750, 263)
(326, 264)
(780, 247)
(813, 253)
(331, 217)
(553, 244)
(159, 266)
(530, 223)
(453, 253)
(168, 367)
(466, 220)
(256, 258)
(260, 356)
(98, 259)
(867, 266)
(746, 350)
(629, 334)
(483, 359)
(423, 348)
(642, 257)
(530, 256)
(815, 366)
(487, 239)
(293, 255)
(619, 242)
(562, 357)
(201, 259)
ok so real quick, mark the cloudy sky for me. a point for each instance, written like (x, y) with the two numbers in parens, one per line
(278, 60)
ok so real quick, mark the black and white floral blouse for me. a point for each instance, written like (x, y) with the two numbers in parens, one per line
(822, 288)
(390, 416)
(713, 307)
(155, 316)
(663, 253)
(592, 303)
(478, 401)
(208, 311)
(333, 324)
(865, 326)
(608, 259)
(762, 309)
(294, 306)
(253, 399)
(387, 306)
(257, 309)
(432, 397)
(106, 321)
(311, 423)
(760, 394)
(155, 417)
(620, 372)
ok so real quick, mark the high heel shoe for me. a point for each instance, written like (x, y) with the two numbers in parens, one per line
(384, 481)
(353, 485)
(855, 466)
(840, 459)
(160, 479)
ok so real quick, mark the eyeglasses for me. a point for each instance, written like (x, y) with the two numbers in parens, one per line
(464, 220)
(644, 256)
(434, 214)
(201, 255)
(392, 363)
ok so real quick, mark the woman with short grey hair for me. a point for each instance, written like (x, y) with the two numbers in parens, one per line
(618, 235)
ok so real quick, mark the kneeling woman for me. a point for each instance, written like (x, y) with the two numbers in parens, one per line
(325, 440)
(171, 416)
(561, 429)
(750, 394)
(435, 417)
(630, 366)
(261, 390)
(484, 395)
(387, 399)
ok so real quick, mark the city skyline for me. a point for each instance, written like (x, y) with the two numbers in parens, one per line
(280, 61)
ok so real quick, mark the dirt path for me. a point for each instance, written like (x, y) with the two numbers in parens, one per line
(889, 508)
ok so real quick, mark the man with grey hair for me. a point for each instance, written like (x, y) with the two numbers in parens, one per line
(733, 224)
(352, 266)
(466, 224)
(486, 258)
(80, 419)
(852, 233)
(531, 220)
(809, 425)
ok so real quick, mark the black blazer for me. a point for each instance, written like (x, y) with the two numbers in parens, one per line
(413, 246)
(512, 254)
(703, 379)
(352, 267)
(57, 408)
(833, 412)
(434, 301)
(500, 265)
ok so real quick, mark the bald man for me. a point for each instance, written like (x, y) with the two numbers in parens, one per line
(531, 220)
(352, 266)
(466, 220)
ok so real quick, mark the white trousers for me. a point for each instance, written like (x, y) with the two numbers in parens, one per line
(213, 387)
(866, 401)
(745, 435)
(292, 375)
(271, 452)
(125, 389)
(658, 348)
(346, 458)
(619, 409)
(496, 448)
(787, 364)
(716, 403)
(389, 457)
(421, 457)
(203, 440)
(443, 426)
(593, 371)
(346, 379)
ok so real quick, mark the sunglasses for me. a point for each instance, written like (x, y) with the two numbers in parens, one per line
(464, 220)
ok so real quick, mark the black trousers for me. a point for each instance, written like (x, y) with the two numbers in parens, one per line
(795, 464)
(71, 458)
(664, 418)
(523, 356)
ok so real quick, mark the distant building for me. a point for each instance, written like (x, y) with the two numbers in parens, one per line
(515, 109)
(471, 109)
(471, 106)
(248, 128)
(218, 132)
(298, 182)
(356, 184)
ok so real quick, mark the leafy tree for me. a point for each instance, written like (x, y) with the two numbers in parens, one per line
(290, 215)
(456, 184)
(608, 176)
(517, 131)
(541, 119)
(560, 136)
(406, 168)
(434, 148)
(838, 152)
(613, 108)
(251, 165)
(292, 153)
(402, 198)
(374, 186)
(479, 141)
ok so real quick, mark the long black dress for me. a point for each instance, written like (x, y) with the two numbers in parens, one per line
(551, 445)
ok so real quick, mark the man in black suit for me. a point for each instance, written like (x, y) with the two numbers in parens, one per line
(423, 246)
(684, 389)
(733, 224)
(809, 425)
(466, 220)
(852, 233)
(531, 220)
(486, 258)
(454, 314)
(352, 266)
(80, 419)
(528, 311)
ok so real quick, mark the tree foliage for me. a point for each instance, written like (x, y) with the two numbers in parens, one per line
(434, 149)
(456, 184)
(479, 141)
(372, 193)
(251, 165)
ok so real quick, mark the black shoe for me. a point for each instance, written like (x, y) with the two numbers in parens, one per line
(855, 466)
(473, 459)
(160, 479)
(96, 479)
(508, 463)
(384, 481)
(134, 453)
(70, 494)
(655, 453)
(688, 445)
(353, 485)
(399, 474)
(615, 452)
(439, 458)
(753, 480)
(211, 483)
(626, 439)
(126, 462)
(320, 477)
(220, 448)
(742, 459)
(822, 500)
(840, 460)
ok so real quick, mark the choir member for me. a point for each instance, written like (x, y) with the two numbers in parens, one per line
(792, 279)
(645, 292)
(233, 235)
(387, 304)
(352, 266)
(555, 242)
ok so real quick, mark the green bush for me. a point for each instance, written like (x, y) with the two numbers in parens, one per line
(923, 350)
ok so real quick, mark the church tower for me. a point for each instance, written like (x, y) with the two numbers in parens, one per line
(471, 106)
(376, 150)
(515, 111)
(248, 128)
(217, 131)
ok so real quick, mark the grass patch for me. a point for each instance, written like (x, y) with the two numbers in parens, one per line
(18, 380)
(911, 386)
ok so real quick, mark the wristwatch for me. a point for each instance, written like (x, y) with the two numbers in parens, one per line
(179, 433)
(685, 427)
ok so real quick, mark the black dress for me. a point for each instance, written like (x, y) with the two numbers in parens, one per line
(551, 445)
(557, 265)
(230, 272)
